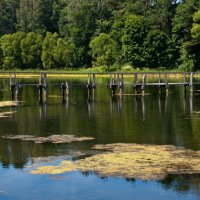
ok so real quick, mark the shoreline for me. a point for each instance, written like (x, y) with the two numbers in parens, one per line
(77, 74)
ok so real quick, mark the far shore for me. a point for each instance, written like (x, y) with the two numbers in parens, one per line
(84, 73)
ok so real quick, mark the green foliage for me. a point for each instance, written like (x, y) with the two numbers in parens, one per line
(196, 17)
(10, 45)
(38, 15)
(182, 21)
(63, 53)
(104, 50)
(48, 47)
(1, 56)
(28, 16)
(195, 31)
(8, 16)
(187, 60)
(156, 49)
(132, 40)
(107, 33)
(31, 50)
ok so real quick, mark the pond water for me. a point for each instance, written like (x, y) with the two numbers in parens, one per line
(150, 119)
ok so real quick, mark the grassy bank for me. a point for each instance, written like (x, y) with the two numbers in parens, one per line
(82, 72)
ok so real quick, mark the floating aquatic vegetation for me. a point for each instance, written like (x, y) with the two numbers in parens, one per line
(65, 166)
(56, 139)
(6, 114)
(147, 162)
(8, 103)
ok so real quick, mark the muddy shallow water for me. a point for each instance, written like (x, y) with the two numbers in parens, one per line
(154, 119)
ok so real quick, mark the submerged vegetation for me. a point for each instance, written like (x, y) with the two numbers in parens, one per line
(52, 139)
(147, 162)
(110, 34)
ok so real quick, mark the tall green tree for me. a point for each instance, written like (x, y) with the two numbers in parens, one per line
(50, 13)
(156, 49)
(48, 47)
(196, 26)
(8, 16)
(38, 15)
(63, 53)
(182, 25)
(31, 50)
(133, 39)
(10, 45)
(183, 19)
(104, 50)
(79, 25)
(1, 56)
(29, 15)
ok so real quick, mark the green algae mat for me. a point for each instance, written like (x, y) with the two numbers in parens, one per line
(147, 162)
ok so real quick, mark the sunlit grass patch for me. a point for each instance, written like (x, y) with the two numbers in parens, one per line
(147, 162)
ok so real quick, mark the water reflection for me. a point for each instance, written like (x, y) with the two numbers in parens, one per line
(65, 102)
(116, 105)
(154, 119)
(43, 109)
(182, 183)
(191, 102)
(162, 102)
(90, 101)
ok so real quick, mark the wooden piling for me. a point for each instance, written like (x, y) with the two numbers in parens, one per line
(136, 83)
(184, 84)
(143, 83)
(166, 84)
(65, 89)
(91, 81)
(42, 86)
(14, 86)
(191, 82)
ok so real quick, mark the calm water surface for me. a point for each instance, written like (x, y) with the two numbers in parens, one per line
(150, 119)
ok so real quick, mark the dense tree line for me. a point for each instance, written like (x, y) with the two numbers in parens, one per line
(84, 33)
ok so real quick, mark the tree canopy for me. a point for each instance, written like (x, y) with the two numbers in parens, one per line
(85, 33)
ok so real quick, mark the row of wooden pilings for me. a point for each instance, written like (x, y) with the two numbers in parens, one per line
(116, 82)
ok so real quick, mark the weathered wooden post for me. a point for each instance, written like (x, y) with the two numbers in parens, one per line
(166, 83)
(159, 82)
(14, 86)
(120, 82)
(191, 82)
(91, 82)
(110, 80)
(113, 84)
(45, 85)
(65, 89)
(136, 83)
(143, 84)
(94, 82)
(17, 90)
(185, 84)
(42, 85)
